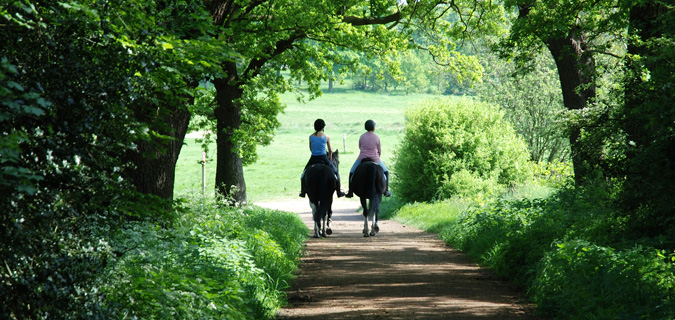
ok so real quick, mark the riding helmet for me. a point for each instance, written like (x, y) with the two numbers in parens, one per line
(319, 124)
(370, 125)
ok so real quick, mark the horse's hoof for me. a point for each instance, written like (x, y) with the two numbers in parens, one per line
(323, 235)
(372, 233)
(365, 235)
(329, 231)
(316, 235)
(377, 229)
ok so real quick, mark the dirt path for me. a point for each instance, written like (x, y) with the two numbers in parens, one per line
(402, 273)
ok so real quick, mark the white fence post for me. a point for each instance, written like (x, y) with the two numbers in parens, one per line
(203, 173)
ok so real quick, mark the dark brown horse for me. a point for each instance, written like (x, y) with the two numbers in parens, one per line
(319, 181)
(369, 183)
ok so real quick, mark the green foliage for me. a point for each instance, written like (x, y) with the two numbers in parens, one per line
(215, 263)
(543, 20)
(556, 174)
(532, 103)
(63, 130)
(647, 120)
(459, 147)
(578, 279)
(76, 81)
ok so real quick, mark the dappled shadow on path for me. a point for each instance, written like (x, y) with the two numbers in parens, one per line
(402, 273)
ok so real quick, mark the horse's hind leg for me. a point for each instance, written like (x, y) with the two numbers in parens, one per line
(376, 212)
(365, 226)
(329, 214)
(324, 219)
(329, 231)
(365, 218)
(316, 221)
(374, 229)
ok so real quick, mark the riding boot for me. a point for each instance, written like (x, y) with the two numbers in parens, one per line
(386, 188)
(350, 193)
(302, 188)
(337, 187)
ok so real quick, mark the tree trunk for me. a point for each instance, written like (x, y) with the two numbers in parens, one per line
(576, 69)
(230, 184)
(155, 161)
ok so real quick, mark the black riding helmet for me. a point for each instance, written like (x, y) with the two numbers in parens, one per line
(370, 125)
(319, 124)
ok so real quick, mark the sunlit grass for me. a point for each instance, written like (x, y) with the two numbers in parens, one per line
(433, 217)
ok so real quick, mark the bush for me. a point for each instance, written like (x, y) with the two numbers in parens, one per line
(457, 147)
(579, 279)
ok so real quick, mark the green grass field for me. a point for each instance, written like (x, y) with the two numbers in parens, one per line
(276, 174)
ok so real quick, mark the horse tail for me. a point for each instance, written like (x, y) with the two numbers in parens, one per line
(372, 181)
(380, 181)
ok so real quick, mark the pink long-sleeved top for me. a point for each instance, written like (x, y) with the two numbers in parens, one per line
(369, 144)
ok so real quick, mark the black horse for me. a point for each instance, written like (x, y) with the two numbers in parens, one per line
(369, 183)
(319, 181)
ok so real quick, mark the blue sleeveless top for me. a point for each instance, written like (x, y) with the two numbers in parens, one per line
(318, 145)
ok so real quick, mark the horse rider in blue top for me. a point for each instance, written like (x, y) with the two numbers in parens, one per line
(318, 141)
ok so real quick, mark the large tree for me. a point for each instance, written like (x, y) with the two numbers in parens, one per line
(639, 116)
(85, 86)
(303, 36)
(171, 55)
(575, 33)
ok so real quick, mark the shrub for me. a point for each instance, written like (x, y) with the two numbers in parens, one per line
(457, 147)
(583, 280)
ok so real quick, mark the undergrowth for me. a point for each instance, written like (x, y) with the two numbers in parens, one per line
(213, 263)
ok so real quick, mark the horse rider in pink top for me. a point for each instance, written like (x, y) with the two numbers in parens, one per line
(369, 146)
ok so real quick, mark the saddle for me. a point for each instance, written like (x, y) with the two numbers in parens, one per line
(313, 163)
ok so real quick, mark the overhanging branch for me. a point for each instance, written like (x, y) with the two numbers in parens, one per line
(359, 21)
